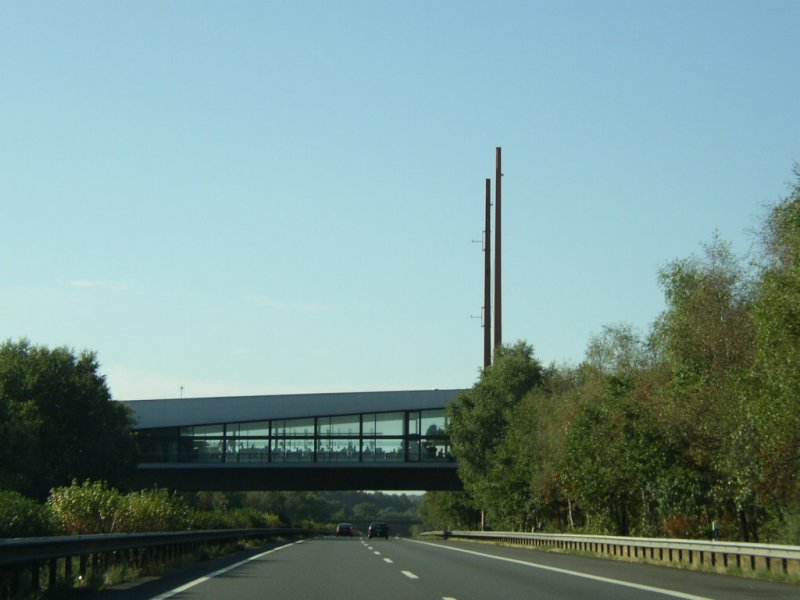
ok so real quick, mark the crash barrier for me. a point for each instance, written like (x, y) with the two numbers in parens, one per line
(715, 554)
(35, 564)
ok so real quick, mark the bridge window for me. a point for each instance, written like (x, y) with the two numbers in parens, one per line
(205, 450)
(203, 431)
(293, 428)
(247, 450)
(202, 443)
(158, 445)
(341, 425)
(434, 451)
(389, 423)
(338, 450)
(413, 422)
(383, 424)
(293, 449)
(433, 423)
(254, 429)
(383, 450)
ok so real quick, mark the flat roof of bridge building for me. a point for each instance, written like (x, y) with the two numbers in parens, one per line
(181, 412)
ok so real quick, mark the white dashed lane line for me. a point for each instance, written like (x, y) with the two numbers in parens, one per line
(409, 574)
(388, 560)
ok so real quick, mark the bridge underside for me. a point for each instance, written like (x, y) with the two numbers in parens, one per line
(283, 477)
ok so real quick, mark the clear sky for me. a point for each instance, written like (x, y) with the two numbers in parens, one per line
(274, 197)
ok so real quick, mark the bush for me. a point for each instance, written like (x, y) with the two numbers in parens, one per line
(90, 507)
(23, 517)
(150, 510)
(240, 518)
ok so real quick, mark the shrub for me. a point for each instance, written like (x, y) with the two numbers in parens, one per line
(23, 517)
(150, 510)
(90, 507)
(240, 518)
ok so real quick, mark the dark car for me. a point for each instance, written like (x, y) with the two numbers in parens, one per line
(378, 530)
(344, 529)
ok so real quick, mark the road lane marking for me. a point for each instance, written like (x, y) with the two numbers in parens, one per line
(409, 574)
(376, 553)
(619, 582)
(205, 578)
(388, 560)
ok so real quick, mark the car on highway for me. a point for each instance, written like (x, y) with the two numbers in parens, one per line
(378, 530)
(344, 529)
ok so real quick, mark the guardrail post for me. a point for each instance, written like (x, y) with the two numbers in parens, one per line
(52, 571)
(35, 577)
(16, 584)
(68, 569)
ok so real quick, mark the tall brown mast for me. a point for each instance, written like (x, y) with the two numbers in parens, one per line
(498, 287)
(487, 280)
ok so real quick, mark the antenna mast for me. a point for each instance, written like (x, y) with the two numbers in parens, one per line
(498, 284)
(487, 280)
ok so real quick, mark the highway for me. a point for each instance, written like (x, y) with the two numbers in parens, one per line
(378, 569)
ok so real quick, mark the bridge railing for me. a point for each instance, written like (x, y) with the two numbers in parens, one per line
(23, 559)
(714, 554)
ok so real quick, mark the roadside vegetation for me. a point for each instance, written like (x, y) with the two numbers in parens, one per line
(690, 429)
(93, 507)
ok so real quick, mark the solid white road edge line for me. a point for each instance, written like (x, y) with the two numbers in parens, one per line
(629, 584)
(200, 580)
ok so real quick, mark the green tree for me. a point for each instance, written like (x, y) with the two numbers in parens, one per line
(58, 421)
(775, 388)
(480, 420)
(448, 511)
(705, 340)
(613, 459)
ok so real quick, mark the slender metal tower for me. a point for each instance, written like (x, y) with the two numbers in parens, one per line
(487, 279)
(498, 284)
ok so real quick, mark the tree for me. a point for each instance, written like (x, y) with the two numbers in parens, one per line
(706, 341)
(775, 386)
(448, 511)
(58, 421)
(480, 420)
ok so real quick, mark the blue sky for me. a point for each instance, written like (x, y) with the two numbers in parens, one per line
(275, 197)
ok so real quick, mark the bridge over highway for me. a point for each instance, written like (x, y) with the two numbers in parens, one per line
(333, 441)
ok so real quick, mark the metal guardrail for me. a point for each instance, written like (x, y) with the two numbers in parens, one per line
(701, 552)
(26, 556)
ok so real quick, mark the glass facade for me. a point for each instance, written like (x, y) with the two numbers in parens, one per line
(409, 436)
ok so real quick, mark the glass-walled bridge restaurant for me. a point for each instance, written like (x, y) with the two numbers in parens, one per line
(358, 440)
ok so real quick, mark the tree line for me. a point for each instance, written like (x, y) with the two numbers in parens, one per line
(689, 429)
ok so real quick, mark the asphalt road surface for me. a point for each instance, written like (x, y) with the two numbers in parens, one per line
(378, 569)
